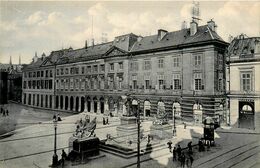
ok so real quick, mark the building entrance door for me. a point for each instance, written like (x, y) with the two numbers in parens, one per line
(246, 115)
(102, 105)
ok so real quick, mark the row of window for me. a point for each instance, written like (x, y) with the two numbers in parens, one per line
(37, 74)
(37, 84)
(88, 69)
(111, 83)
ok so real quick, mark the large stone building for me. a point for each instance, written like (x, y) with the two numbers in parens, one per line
(11, 82)
(244, 82)
(184, 69)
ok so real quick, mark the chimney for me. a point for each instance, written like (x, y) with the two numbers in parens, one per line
(161, 34)
(35, 58)
(193, 28)
(211, 24)
(43, 56)
(139, 38)
(184, 25)
(92, 42)
(86, 44)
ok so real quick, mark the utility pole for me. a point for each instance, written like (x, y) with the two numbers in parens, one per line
(138, 135)
(55, 156)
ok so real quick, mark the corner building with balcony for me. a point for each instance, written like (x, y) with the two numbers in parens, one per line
(184, 69)
(243, 72)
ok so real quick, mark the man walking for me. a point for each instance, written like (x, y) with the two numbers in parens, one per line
(170, 145)
(174, 154)
(179, 152)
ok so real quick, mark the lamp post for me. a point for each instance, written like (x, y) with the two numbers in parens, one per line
(55, 156)
(174, 125)
(136, 103)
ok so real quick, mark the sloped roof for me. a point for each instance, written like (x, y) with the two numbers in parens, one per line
(175, 38)
(83, 54)
(240, 46)
(34, 64)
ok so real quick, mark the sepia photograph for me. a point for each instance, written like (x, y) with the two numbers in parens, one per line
(125, 84)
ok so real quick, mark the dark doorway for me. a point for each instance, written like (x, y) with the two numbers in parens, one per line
(246, 117)
(29, 100)
(61, 102)
(46, 101)
(24, 98)
(77, 104)
(89, 104)
(57, 102)
(50, 102)
(102, 105)
(82, 104)
(95, 104)
(66, 102)
(71, 103)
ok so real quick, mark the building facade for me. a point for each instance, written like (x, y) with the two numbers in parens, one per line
(11, 82)
(181, 71)
(244, 82)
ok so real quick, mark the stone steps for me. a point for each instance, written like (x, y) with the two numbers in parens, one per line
(131, 152)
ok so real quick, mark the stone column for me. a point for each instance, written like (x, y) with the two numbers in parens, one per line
(53, 102)
(27, 97)
(98, 107)
(92, 106)
(74, 105)
(64, 98)
(48, 103)
(43, 105)
(79, 109)
(59, 102)
(68, 103)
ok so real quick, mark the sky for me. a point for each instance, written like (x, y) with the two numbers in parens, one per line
(27, 27)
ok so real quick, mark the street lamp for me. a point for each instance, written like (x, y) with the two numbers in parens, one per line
(174, 125)
(136, 103)
(55, 156)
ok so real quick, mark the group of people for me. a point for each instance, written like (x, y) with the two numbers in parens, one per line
(56, 117)
(179, 155)
(4, 112)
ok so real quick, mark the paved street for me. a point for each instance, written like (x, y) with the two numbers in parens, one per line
(32, 146)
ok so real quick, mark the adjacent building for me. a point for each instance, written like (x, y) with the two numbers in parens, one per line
(181, 72)
(10, 82)
(243, 71)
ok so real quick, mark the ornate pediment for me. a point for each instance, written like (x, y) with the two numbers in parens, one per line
(114, 51)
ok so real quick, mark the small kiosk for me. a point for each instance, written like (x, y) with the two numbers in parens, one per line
(209, 131)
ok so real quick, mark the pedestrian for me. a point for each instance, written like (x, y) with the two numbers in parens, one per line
(191, 160)
(148, 139)
(4, 113)
(184, 125)
(190, 147)
(179, 152)
(58, 117)
(170, 145)
(104, 121)
(174, 154)
(1, 110)
(63, 157)
(107, 121)
(187, 162)
(7, 112)
(54, 117)
(183, 159)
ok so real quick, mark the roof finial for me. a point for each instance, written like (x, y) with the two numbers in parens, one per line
(10, 60)
(19, 59)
